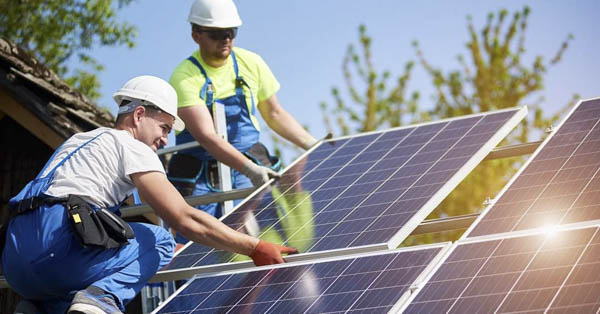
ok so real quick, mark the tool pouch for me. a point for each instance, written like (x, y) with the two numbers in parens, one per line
(116, 228)
(260, 155)
(182, 171)
(100, 228)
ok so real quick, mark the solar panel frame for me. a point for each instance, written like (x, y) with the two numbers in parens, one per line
(595, 224)
(401, 233)
(443, 248)
(515, 177)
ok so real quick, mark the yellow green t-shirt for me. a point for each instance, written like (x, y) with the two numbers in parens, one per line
(187, 79)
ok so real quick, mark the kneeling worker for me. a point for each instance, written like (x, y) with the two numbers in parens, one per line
(66, 249)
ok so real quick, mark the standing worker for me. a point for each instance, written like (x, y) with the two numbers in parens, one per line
(66, 248)
(242, 82)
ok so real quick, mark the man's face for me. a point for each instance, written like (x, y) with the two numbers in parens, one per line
(215, 43)
(154, 127)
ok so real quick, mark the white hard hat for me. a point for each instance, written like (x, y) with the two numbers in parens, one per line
(153, 90)
(214, 13)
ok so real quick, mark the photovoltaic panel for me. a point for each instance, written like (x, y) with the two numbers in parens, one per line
(371, 283)
(560, 183)
(370, 189)
(554, 271)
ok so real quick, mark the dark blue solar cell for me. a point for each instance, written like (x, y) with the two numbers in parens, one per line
(347, 284)
(389, 163)
(439, 145)
(374, 236)
(350, 226)
(389, 221)
(381, 198)
(463, 123)
(429, 129)
(397, 184)
(369, 156)
(350, 149)
(384, 145)
(404, 150)
(396, 134)
(184, 260)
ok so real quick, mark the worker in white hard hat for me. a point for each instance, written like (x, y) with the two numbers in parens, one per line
(242, 81)
(66, 248)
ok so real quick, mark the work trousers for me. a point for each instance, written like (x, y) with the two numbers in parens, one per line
(44, 262)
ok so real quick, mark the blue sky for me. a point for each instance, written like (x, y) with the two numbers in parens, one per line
(304, 43)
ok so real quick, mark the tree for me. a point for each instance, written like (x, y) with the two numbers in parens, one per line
(55, 31)
(495, 78)
(378, 105)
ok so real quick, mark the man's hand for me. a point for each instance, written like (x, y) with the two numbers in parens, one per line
(267, 253)
(307, 144)
(258, 175)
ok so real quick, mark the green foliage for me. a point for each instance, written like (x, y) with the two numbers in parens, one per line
(495, 77)
(54, 31)
(380, 104)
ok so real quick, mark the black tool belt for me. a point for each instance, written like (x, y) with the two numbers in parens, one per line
(183, 169)
(22, 207)
(101, 228)
(97, 228)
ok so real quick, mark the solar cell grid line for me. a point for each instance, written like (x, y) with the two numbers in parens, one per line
(375, 282)
(392, 173)
(559, 184)
(527, 271)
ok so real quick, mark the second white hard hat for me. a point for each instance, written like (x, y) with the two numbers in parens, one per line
(153, 90)
(214, 13)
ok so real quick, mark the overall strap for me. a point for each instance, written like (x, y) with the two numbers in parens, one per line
(240, 82)
(68, 156)
(207, 87)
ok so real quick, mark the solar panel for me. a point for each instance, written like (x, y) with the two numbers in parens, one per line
(370, 283)
(361, 191)
(559, 184)
(552, 271)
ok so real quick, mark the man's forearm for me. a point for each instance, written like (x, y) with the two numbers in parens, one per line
(209, 231)
(287, 127)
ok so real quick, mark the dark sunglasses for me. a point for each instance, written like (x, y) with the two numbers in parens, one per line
(220, 34)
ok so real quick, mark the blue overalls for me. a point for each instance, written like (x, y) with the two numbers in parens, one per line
(43, 261)
(241, 133)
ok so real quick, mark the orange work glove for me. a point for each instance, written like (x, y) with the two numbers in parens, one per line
(267, 253)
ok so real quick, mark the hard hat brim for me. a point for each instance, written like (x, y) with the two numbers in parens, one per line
(178, 124)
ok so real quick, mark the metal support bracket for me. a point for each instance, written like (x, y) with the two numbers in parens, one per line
(224, 171)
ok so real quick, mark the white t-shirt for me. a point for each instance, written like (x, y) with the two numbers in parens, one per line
(100, 171)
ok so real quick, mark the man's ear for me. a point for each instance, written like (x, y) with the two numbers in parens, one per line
(138, 114)
(196, 37)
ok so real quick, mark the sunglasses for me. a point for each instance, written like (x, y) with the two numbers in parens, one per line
(220, 34)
